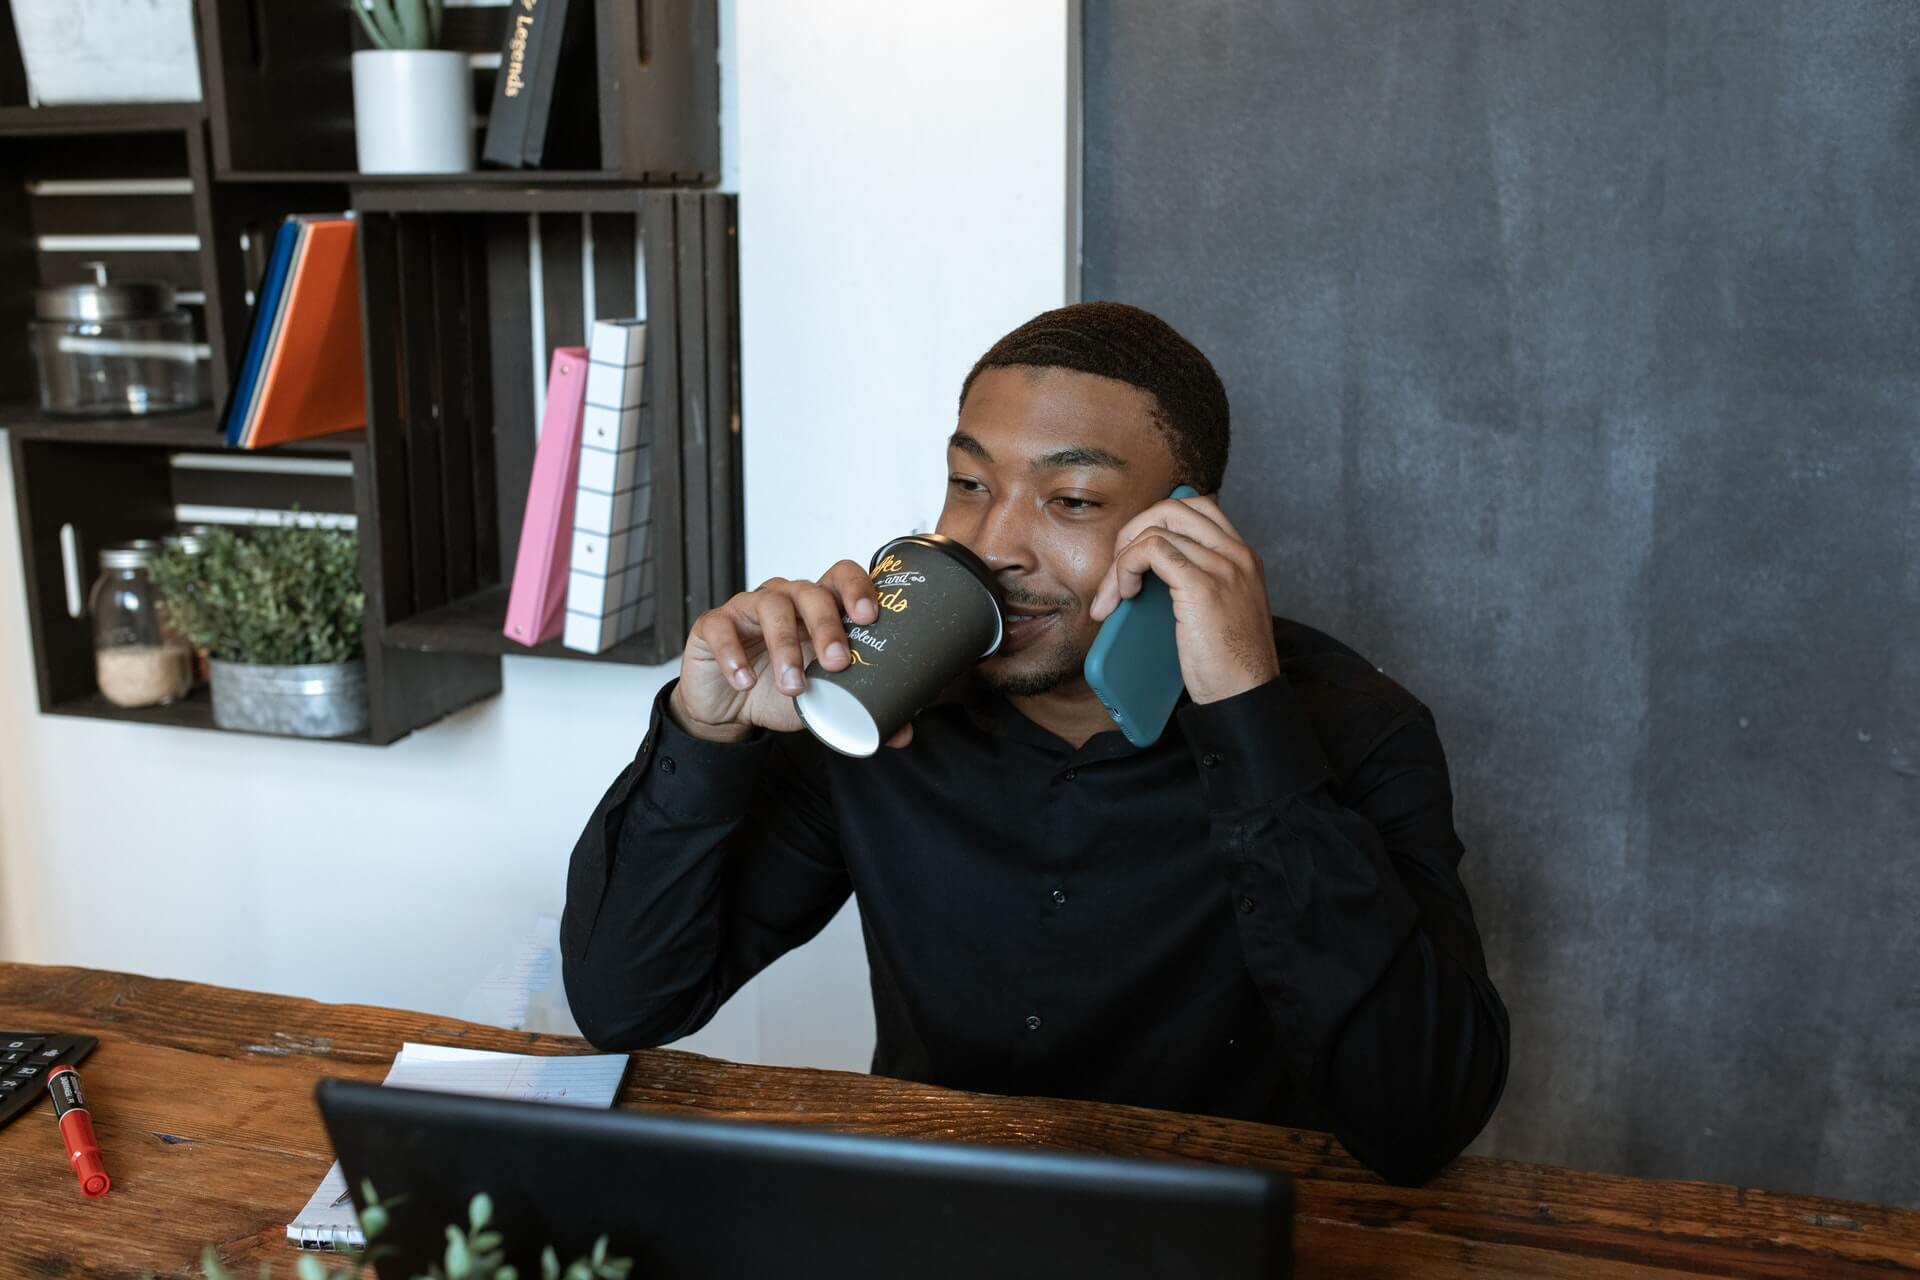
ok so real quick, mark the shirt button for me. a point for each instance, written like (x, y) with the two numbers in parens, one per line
(1246, 906)
(1071, 774)
(1211, 760)
(666, 764)
(1059, 897)
(1033, 1022)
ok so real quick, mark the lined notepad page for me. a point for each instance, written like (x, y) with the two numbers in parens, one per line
(588, 1080)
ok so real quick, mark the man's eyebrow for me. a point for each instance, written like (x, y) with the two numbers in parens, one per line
(967, 444)
(1079, 455)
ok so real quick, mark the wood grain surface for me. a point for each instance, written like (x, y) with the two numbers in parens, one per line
(202, 1098)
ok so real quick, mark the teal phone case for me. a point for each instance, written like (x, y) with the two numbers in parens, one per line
(1134, 664)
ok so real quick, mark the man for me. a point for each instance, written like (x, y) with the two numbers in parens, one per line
(1259, 916)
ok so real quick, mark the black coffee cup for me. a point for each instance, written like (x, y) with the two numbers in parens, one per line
(939, 614)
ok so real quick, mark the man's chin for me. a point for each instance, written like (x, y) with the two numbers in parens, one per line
(1026, 675)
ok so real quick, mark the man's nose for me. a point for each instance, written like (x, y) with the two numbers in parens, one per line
(1000, 538)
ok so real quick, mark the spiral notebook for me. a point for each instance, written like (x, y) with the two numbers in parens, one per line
(589, 1080)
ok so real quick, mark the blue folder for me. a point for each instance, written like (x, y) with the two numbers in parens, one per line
(266, 305)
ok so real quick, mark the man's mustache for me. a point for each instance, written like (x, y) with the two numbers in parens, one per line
(1033, 600)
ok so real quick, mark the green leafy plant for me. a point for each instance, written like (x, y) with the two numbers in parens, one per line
(475, 1253)
(399, 24)
(281, 596)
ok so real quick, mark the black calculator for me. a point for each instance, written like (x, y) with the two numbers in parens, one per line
(25, 1059)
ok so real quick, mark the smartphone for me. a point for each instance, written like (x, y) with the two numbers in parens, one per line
(1134, 665)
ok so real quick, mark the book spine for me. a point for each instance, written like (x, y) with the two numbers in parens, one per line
(536, 602)
(607, 597)
(545, 66)
(515, 84)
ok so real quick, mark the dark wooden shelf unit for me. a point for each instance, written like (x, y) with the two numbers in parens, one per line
(119, 484)
(457, 334)
(452, 406)
(279, 85)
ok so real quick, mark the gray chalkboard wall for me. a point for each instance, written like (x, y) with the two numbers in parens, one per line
(1574, 351)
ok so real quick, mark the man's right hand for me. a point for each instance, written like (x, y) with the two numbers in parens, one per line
(745, 660)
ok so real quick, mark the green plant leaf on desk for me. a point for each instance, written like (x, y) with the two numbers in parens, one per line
(475, 1256)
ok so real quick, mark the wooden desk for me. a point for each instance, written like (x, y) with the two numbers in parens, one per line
(202, 1097)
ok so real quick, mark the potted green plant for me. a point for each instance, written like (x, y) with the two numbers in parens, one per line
(279, 613)
(412, 101)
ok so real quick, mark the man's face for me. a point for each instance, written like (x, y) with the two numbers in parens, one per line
(1045, 467)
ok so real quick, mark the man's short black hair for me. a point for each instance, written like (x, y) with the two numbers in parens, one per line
(1136, 347)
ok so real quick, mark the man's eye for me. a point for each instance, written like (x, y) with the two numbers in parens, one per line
(965, 485)
(1079, 505)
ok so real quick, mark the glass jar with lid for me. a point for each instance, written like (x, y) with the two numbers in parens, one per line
(104, 349)
(139, 661)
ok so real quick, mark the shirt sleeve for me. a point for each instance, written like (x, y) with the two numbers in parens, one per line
(1355, 925)
(703, 863)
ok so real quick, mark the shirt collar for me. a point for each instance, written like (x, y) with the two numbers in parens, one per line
(992, 713)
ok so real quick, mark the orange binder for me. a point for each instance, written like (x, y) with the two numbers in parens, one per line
(315, 381)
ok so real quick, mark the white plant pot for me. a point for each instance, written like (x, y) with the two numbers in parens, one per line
(413, 111)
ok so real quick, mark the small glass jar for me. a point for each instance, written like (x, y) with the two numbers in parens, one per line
(105, 349)
(138, 660)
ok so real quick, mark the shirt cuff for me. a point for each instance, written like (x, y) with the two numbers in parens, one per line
(1255, 748)
(691, 780)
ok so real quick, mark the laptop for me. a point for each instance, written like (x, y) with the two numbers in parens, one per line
(690, 1197)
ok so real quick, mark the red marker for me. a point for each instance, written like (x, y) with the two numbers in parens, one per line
(76, 1130)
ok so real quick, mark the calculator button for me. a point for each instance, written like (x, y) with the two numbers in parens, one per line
(26, 1073)
(8, 1085)
(7, 1059)
(48, 1055)
(26, 1046)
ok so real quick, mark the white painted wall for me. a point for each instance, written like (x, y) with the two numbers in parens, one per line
(904, 201)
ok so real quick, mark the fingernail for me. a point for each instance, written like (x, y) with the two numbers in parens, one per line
(866, 610)
(790, 679)
(836, 652)
(742, 677)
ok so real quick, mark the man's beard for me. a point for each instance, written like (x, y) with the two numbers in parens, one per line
(1058, 666)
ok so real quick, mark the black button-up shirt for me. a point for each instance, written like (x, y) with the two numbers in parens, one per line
(1259, 916)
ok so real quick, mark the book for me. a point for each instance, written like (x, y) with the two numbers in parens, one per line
(610, 586)
(314, 379)
(537, 601)
(266, 304)
(545, 108)
(327, 1221)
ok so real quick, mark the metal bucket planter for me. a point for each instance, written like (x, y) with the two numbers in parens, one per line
(325, 700)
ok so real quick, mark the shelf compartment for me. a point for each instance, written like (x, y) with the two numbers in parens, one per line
(143, 203)
(279, 78)
(475, 624)
(110, 489)
(450, 304)
(279, 85)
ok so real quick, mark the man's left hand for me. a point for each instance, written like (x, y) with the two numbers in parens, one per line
(1223, 626)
